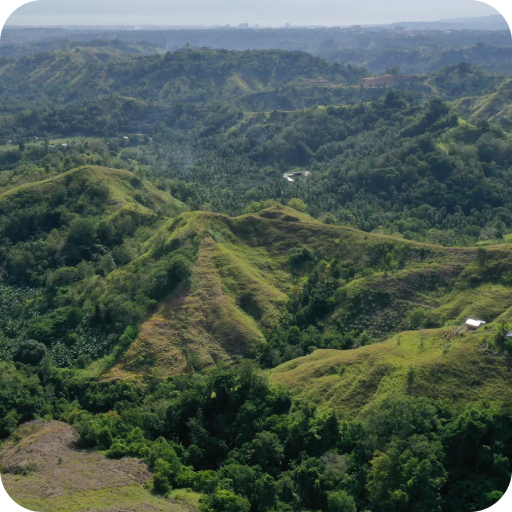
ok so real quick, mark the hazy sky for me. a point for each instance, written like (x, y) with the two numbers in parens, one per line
(264, 12)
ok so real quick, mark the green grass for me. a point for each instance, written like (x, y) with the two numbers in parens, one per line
(185, 496)
(122, 193)
(445, 364)
(130, 496)
(242, 278)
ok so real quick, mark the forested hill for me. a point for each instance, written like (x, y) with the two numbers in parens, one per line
(495, 59)
(12, 51)
(413, 49)
(73, 91)
(189, 75)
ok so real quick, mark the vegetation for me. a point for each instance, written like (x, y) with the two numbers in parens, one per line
(233, 340)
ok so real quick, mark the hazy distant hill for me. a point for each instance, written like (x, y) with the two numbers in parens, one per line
(494, 22)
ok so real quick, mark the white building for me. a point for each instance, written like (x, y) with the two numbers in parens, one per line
(474, 324)
(297, 174)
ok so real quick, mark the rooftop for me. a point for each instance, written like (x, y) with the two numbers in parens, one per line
(474, 323)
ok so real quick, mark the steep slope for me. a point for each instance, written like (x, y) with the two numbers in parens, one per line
(492, 107)
(234, 291)
(243, 276)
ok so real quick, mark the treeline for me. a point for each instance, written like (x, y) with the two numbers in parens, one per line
(303, 39)
(246, 446)
(426, 59)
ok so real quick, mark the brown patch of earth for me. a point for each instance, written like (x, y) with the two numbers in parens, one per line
(44, 471)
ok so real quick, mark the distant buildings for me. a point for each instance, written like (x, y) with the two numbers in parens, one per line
(243, 25)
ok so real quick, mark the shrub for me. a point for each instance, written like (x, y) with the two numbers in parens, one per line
(225, 501)
(162, 477)
(297, 204)
(340, 501)
(30, 352)
(301, 256)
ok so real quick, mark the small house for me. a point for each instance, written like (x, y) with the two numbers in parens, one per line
(509, 334)
(474, 324)
(296, 174)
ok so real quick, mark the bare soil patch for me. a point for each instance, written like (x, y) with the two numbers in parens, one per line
(45, 470)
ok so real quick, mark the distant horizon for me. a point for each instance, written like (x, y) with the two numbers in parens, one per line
(460, 19)
(265, 13)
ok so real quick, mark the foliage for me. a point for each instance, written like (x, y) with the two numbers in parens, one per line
(94, 242)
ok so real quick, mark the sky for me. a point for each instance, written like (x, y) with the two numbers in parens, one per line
(262, 12)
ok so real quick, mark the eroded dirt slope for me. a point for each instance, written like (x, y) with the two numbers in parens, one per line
(45, 472)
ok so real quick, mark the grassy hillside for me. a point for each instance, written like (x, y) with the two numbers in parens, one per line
(42, 471)
(494, 107)
(115, 189)
(447, 364)
(191, 74)
(244, 278)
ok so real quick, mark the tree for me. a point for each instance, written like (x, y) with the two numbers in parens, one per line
(162, 476)
(417, 317)
(80, 239)
(225, 501)
(329, 219)
(267, 450)
(408, 476)
(297, 204)
(30, 352)
(340, 501)
(501, 334)
(482, 255)
(308, 478)
(395, 70)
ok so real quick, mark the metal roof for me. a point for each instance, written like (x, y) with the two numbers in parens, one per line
(474, 323)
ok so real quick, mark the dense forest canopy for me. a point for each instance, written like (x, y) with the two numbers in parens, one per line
(244, 257)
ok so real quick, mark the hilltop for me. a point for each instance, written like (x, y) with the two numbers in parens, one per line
(111, 190)
(245, 274)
